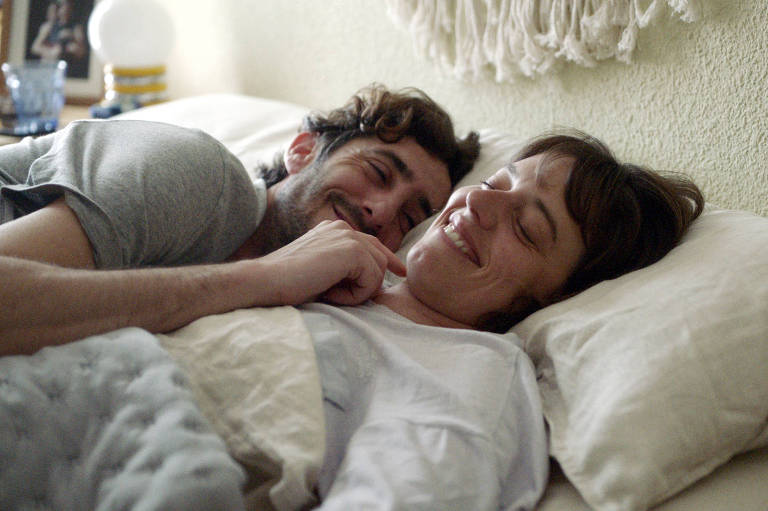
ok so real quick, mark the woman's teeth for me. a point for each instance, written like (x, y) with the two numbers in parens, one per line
(455, 238)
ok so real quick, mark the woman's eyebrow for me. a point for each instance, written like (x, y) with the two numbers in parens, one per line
(513, 173)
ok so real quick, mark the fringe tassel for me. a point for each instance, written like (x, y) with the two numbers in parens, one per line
(528, 36)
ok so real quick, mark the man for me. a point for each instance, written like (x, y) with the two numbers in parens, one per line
(164, 206)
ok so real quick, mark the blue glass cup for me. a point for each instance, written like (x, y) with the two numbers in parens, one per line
(37, 91)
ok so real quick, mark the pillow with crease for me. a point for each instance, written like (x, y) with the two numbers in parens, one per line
(651, 381)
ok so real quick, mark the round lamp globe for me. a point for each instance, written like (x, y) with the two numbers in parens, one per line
(131, 33)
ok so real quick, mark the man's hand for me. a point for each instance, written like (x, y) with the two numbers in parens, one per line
(332, 262)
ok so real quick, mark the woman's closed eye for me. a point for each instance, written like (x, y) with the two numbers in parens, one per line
(525, 232)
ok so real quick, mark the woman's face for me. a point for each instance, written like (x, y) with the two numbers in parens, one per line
(500, 246)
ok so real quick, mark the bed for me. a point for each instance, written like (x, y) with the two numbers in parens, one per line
(654, 386)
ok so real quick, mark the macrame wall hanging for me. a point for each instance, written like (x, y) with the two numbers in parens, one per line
(528, 36)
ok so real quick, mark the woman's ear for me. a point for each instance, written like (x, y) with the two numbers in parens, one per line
(300, 152)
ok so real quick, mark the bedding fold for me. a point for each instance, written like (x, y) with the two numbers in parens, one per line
(254, 375)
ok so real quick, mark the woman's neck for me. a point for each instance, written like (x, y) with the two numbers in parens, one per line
(399, 299)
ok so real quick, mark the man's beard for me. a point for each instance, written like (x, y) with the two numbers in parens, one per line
(297, 204)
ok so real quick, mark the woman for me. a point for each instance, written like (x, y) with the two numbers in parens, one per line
(563, 215)
(425, 407)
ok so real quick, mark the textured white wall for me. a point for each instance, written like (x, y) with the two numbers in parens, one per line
(693, 100)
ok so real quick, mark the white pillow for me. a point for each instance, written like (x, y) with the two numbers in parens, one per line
(652, 380)
(252, 128)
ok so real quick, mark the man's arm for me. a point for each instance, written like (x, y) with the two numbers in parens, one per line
(45, 304)
(52, 234)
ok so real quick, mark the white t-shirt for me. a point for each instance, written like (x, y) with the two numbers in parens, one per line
(425, 418)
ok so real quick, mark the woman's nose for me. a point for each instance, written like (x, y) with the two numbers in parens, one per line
(489, 206)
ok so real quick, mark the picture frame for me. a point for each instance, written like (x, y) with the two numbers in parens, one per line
(5, 31)
(34, 34)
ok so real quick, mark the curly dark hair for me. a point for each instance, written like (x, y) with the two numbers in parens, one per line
(390, 116)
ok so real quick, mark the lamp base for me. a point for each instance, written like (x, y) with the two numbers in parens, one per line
(129, 88)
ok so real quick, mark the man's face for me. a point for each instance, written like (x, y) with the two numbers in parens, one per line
(381, 188)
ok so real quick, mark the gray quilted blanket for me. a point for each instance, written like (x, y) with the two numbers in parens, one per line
(107, 423)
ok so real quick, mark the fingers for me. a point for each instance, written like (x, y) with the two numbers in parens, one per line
(366, 272)
(391, 261)
(333, 262)
(364, 277)
(394, 264)
(357, 289)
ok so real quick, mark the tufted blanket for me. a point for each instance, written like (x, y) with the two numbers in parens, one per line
(107, 423)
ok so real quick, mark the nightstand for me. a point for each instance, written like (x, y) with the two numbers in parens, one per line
(68, 114)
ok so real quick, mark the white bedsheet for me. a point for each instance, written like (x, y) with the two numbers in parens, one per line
(445, 419)
(254, 376)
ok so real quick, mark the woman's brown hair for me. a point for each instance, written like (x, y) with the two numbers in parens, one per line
(630, 216)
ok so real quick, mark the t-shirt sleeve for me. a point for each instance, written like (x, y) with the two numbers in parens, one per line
(150, 194)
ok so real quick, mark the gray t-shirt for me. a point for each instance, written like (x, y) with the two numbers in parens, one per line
(146, 193)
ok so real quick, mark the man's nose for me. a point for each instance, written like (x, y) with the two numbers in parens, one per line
(380, 210)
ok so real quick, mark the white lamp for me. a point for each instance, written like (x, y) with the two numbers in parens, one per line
(134, 39)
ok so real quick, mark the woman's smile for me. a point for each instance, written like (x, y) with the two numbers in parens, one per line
(459, 239)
